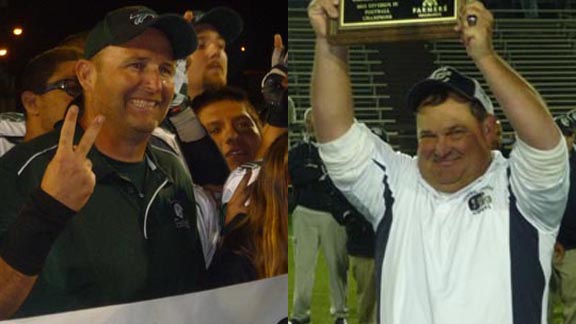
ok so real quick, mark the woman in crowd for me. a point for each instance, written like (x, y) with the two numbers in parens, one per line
(255, 242)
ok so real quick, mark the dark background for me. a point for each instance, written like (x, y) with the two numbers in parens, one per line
(47, 22)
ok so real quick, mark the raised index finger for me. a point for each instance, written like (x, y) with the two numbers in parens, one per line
(65, 143)
(279, 53)
(89, 136)
(278, 43)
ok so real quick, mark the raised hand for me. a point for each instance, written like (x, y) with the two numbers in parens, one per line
(68, 177)
(275, 84)
(319, 11)
(476, 33)
(238, 203)
(279, 55)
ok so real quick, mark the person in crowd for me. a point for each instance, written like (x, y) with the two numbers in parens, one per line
(204, 69)
(572, 116)
(234, 125)
(462, 235)
(133, 237)
(12, 130)
(76, 40)
(291, 111)
(207, 69)
(232, 122)
(360, 242)
(315, 227)
(563, 285)
(498, 136)
(255, 242)
(360, 247)
(501, 143)
(47, 86)
(530, 8)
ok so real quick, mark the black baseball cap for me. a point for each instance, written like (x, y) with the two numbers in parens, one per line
(449, 78)
(572, 116)
(224, 20)
(126, 23)
(565, 124)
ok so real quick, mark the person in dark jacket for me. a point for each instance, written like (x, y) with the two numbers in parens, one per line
(135, 238)
(360, 247)
(315, 227)
(564, 262)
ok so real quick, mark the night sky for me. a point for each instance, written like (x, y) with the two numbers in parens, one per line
(47, 22)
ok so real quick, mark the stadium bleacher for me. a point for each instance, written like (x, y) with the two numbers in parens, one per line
(542, 49)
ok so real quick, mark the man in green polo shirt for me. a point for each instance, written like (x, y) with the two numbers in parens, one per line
(135, 238)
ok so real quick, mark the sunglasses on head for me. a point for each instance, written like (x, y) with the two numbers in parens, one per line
(70, 86)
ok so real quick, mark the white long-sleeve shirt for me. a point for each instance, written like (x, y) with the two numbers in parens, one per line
(480, 255)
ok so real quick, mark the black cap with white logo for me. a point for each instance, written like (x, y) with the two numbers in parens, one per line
(449, 78)
(565, 124)
(123, 24)
(572, 116)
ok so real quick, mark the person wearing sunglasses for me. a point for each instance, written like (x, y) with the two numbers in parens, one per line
(135, 238)
(47, 86)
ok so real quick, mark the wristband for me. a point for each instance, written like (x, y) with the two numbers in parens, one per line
(28, 241)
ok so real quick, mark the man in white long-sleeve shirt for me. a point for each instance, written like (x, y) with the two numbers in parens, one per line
(463, 234)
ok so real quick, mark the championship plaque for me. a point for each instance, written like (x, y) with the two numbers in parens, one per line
(372, 21)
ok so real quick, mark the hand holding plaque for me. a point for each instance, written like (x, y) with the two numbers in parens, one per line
(369, 21)
(320, 13)
(475, 29)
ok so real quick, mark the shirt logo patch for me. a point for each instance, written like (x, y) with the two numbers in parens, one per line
(178, 210)
(479, 202)
(179, 219)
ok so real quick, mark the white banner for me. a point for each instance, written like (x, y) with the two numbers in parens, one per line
(257, 302)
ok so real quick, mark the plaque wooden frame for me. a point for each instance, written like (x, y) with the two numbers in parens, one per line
(393, 29)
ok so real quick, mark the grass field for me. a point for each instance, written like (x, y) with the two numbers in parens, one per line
(557, 316)
(320, 307)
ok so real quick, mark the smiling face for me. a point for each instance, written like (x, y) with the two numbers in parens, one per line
(132, 84)
(233, 129)
(453, 146)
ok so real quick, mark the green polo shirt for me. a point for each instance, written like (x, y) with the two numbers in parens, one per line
(130, 242)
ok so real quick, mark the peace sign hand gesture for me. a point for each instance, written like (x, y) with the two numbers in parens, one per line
(68, 177)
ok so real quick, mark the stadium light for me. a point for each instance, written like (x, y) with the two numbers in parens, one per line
(3, 51)
(243, 48)
(17, 31)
